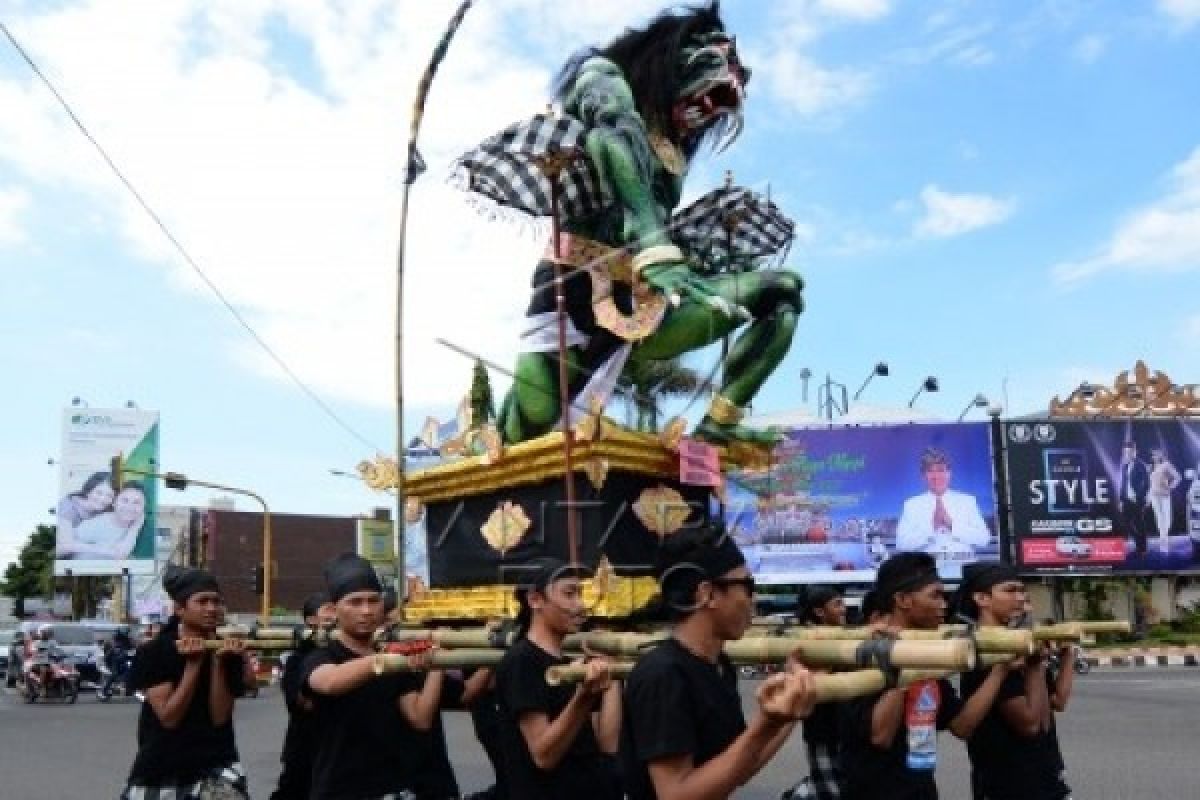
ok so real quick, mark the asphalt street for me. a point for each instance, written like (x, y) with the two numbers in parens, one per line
(1127, 736)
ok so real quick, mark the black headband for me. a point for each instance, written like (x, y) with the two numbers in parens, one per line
(981, 577)
(181, 583)
(349, 573)
(313, 603)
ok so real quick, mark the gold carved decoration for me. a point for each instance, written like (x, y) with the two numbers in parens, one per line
(1139, 392)
(605, 265)
(505, 527)
(672, 433)
(662, 510)
(591, 428)
(381, 474)
(596, 470)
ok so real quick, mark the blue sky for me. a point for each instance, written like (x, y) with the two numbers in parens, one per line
(1002, 194)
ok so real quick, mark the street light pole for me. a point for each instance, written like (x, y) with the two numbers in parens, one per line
(177, 480)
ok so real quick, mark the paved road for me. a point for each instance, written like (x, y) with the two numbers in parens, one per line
(1128, 736)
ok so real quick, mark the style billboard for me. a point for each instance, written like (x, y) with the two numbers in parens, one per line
(102, 531)
(836, 501)
(1105, 495)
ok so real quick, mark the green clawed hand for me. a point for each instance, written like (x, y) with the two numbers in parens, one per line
(676, 280)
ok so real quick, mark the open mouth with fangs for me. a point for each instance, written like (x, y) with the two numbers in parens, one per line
(697, 112)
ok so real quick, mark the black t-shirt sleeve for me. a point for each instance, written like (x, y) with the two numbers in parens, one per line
(317, 658)
(525, 688)
(233, 668)
(659, 711)
(451, 698)
(951, 704)
(153, 666)
(854, 717)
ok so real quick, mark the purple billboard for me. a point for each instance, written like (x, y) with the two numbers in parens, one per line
(837, 501)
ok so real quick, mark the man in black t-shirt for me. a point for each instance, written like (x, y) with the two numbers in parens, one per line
(1013, 756)
(684, 735)
(369, 722)
(889, 739)
(823, 606)
(557, 741)
(185, 726)
(300, 741)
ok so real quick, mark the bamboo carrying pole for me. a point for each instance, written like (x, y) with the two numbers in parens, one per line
(956, 654)
(438, 659)
(830, 688)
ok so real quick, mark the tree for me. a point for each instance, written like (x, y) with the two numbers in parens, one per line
(483, 407)
(32, 574)
(648, 383)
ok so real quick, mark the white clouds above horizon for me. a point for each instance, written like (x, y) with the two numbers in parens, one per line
(13, 202)
(1088, 49)
(947, 214)
(1184, 13)
(1163, 236)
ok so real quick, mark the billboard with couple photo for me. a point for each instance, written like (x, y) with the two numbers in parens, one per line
(100, 530)
(1105, 495)
(837, 501)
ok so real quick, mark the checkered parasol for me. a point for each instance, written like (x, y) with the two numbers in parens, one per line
(759, 229)
(510, 170)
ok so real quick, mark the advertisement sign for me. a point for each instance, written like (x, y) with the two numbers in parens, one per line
(1105, 495)
(102, 531)
(837, 501)
(377, 541)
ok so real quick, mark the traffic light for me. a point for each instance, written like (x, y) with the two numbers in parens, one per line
(116, 466)
(175, 480)
(259, 579)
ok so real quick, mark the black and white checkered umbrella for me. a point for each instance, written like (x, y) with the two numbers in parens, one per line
(733, 224)
(510, 168)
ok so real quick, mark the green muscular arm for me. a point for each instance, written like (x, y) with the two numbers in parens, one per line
(618, 145)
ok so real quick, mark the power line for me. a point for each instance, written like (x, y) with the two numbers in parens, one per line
(179, 248)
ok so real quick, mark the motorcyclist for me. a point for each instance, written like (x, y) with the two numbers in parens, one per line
(116, 658)
(43, 649)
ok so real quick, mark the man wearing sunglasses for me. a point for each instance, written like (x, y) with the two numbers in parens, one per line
(683, 735)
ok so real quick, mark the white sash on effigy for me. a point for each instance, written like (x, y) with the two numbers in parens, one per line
(541, 336)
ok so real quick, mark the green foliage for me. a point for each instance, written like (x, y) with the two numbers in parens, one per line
(32, 574)
(651, 382)
(483, 407)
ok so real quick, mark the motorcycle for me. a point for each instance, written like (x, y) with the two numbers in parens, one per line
(59, 679)
(1082, 665)
(250, 675)
(115, 675)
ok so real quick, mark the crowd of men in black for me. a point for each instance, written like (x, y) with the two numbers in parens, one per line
(675, 729)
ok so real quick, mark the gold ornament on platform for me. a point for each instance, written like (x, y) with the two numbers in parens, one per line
(1139, 392)
(672, 433)
(596, 470)
(490, 442)
(381, 474)
(662, 510)
(505, 527)
(591, 427)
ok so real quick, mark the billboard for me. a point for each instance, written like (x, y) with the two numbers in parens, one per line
(101, 531)
(837, 501)
(1105, 495)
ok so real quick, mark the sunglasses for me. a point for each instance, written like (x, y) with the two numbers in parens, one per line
(746, 583)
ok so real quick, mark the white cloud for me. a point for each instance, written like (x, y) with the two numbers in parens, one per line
(288, 194)
(1191, 329)
(947, 214)
(809, 89)
(864, 10)
(964, 45)
(13, 202)
(1162, 237)
(1184, 13)
(1089, 48)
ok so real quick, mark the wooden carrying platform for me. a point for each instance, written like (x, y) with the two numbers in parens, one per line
(486, 516)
